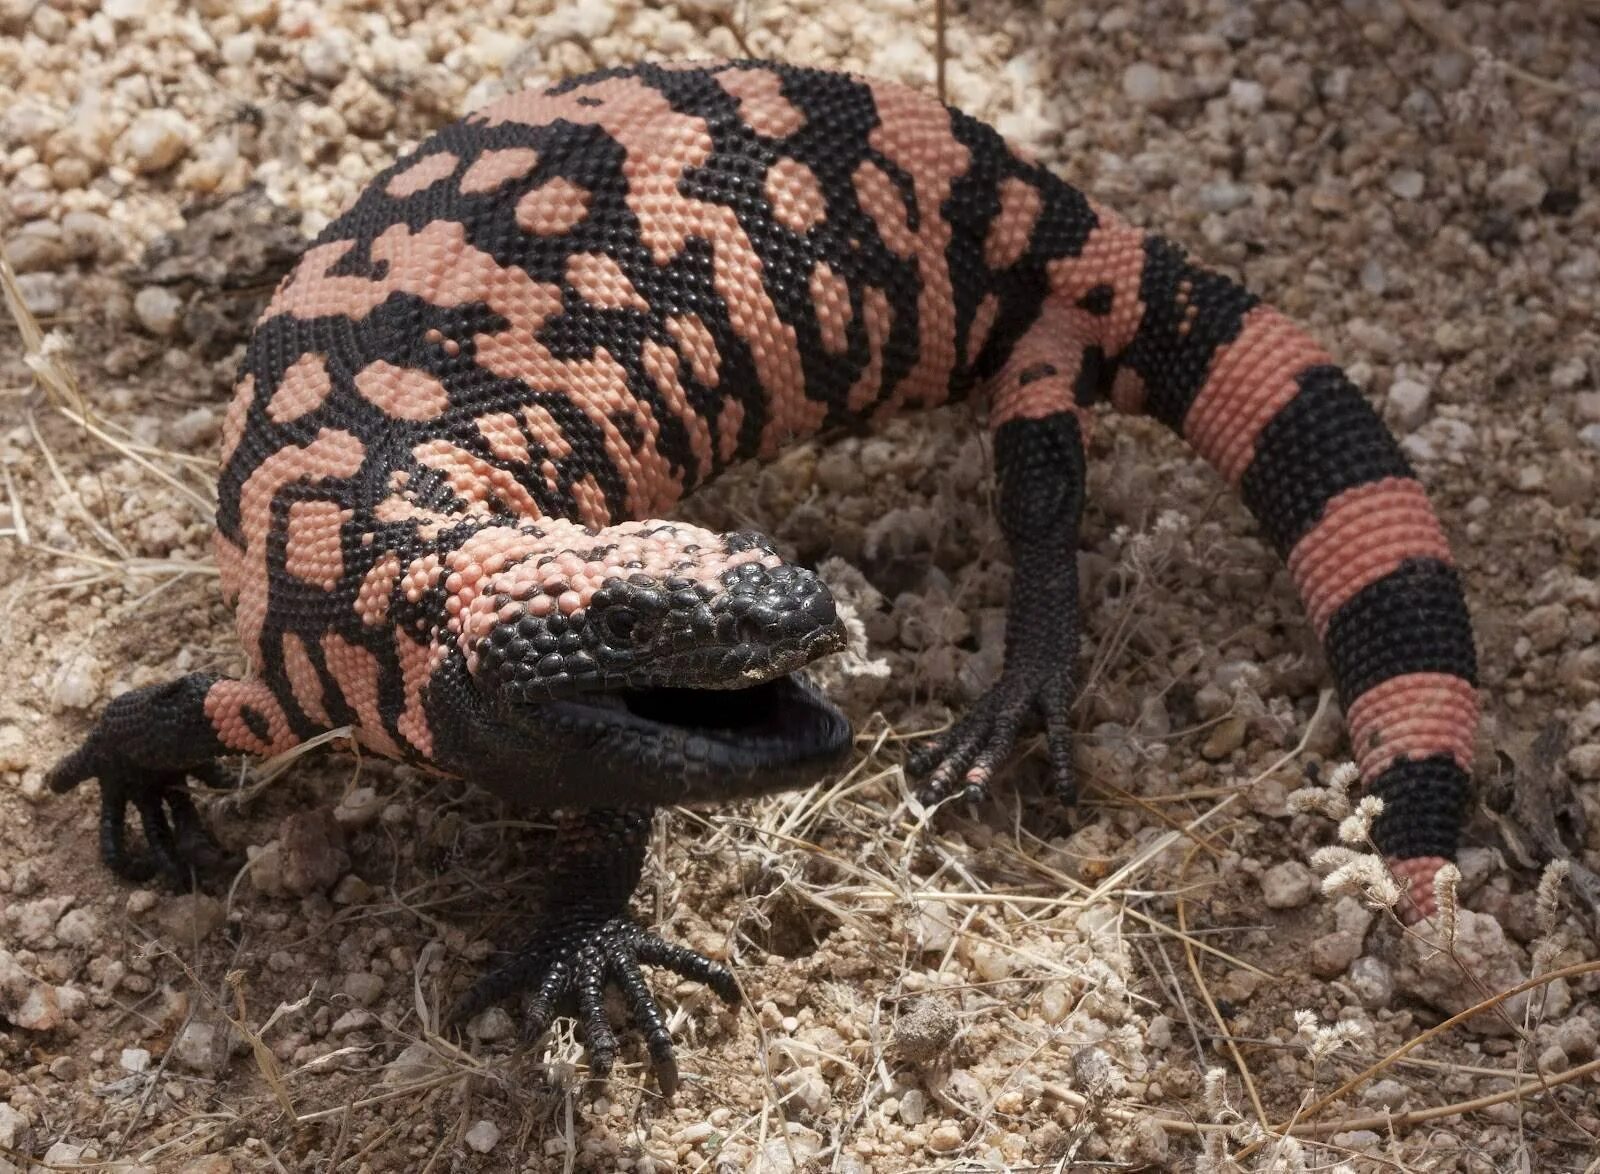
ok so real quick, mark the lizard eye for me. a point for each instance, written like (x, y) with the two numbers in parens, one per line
(620, 623)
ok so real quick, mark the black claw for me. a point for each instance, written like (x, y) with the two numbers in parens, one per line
(578, 963)
(963, 759)
(113, 839)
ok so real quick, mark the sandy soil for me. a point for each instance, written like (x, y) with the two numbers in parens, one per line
(1007, 989)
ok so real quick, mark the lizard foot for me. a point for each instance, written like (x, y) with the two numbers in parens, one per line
(963, 759)
(178, 844)
(580, 962)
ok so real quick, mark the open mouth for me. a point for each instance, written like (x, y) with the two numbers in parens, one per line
(785, 717)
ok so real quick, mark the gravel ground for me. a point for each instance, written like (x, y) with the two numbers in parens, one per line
(1158, 981)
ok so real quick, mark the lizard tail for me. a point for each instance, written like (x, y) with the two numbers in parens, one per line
(1264, 404)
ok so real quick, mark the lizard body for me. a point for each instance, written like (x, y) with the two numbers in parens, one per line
(527, 339)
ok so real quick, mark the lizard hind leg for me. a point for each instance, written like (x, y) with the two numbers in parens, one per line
(146, 745)
(1039, 463)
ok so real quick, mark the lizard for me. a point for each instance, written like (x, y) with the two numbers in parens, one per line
(459, 422)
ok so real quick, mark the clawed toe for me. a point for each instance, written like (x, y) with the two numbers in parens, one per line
(963, 760)
(178, 846)
(578, 964)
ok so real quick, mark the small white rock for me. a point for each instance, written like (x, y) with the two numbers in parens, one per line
(363, 987)
(1146, 84)
(1246, 96)
(156, 140)
(1222, 197)
(239, 49)
(1518, 189)
(77, 683)
(1410, 401)
(327, 58)
(483, 1136)
(1288, 885)
(159, 310)
(493, 1024)
(78, 927)
(135, 1059)
(1406, 182)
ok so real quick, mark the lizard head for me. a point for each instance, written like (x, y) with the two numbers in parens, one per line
(680, 638)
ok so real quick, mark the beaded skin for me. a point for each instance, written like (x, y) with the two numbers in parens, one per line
(462, 413)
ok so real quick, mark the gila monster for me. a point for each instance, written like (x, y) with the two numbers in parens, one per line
(461, 416)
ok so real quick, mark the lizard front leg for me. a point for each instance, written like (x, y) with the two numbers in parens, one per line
(588, 941)
(147, 744)
(1039, 464)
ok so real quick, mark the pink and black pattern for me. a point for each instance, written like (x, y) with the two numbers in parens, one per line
(461, 414)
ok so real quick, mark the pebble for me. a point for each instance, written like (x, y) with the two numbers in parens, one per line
(190, 917)
(925, 1030)
(134, 1059)
(156, 140)
(1246, 96)
(355, 1019)
(1405, 182)
(483, 1136)
(1390, 1094)
(1481, 949)
(790, 1154)
(76, 684)
(15, 1133)
(1288, 885)
(352, 890)
(1222, 197)
(990, 961)
(33, 923)
(913, 1106)
(78, 927)
(364, 988)
(1409, 399)
(1146, 84)
(38, 249)
(1546, 626)
(312, 844)
(159, 310)
(1553, 1059)
(239, 50)
(1577, 1037)
(1584, 761)
(1225, 737)
(42, 294)
(327, 57)
(417, 1062)
(805, 1088)
(140, 902)
(944, 1139)
(582, 20)
(195, 1046)
(1518, 189)
(359, 808)
(494, 1024)
(1332, 953)
(194, 429)
(65, 1155)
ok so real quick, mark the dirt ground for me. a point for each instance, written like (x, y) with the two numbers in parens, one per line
(1153, 981)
